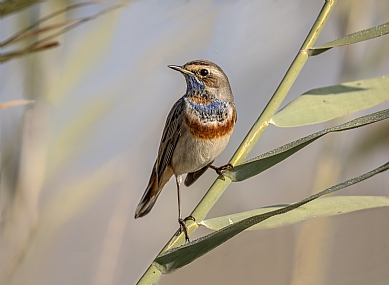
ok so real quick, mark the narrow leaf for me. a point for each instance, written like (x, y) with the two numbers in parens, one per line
(47, 42)
(40, 31)
(12, 6)
(21, 33)
(187, 253)
(76, 23)
(261, 163)
(324, 207)
(353, 38)
(41, 47)
(324, 104)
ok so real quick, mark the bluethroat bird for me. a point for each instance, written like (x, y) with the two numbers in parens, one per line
(196, 132)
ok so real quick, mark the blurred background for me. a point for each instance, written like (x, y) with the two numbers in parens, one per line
(75, 163)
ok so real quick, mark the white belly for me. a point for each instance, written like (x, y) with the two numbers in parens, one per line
(193, 154)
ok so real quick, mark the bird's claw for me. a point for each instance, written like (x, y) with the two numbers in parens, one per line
(190, 218)
(222, 169)
(184, 229)
(183, 226)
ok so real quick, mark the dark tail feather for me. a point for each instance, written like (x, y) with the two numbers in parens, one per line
(193, 176)
(152, 192)
(149, 197)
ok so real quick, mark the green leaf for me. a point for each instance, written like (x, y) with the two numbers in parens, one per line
(324, 207)
(353, 38)
(324, 104)
(187, 253)
(261, 163)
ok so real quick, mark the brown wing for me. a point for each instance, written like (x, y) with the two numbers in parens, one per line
(171, 134)
(161, 171)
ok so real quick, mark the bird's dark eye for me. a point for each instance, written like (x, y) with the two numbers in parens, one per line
(204, 72)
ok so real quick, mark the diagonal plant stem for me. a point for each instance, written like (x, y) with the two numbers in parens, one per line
(153, 274)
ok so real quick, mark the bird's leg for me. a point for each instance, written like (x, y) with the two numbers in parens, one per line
(220, 170)
(181, 221)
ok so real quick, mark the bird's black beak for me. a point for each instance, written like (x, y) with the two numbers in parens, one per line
(180, 69)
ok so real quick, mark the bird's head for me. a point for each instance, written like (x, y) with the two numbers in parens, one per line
(204, 75)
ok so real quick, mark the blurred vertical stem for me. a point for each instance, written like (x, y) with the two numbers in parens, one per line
(153, 274)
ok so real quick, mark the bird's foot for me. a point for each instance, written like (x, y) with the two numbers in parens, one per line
(220, 170)
(190, 218)
(184, 229)
(183, 226)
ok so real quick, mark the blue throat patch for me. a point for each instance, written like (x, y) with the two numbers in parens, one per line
(214, 111)
(193, 85)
